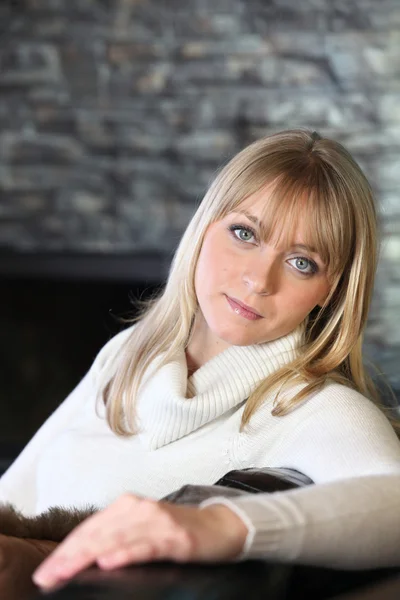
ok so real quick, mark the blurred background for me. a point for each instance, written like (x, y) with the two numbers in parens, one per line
(114, 117)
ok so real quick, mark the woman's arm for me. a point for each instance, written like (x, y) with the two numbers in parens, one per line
(350, 524)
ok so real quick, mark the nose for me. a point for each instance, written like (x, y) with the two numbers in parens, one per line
(261, 276)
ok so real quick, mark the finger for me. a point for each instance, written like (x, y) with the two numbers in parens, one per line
(103, 533)
(79, 550)
(141, 552)
(109, 531)
(95, 530)
(177, 546)
(57, 570)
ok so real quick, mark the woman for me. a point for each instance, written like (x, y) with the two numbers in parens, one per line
(251, 356)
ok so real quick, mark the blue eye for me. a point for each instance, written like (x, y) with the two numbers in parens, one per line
(304, 265)
(242, 233)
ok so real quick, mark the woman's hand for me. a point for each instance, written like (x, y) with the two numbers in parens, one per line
(133, 530)
(18, 559)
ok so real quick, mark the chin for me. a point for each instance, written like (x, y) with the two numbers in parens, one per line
(235, 338)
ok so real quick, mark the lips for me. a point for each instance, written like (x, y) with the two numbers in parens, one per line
(243, 309)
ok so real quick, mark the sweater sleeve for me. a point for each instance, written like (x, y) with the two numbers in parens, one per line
(18, 484)
(347, 524)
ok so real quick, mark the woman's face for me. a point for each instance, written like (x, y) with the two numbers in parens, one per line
(237, 268)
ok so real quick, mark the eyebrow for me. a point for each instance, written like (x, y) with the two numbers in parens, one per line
(251, 217)
(259, 224)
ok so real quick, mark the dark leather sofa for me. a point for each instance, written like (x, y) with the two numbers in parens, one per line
(244, 581)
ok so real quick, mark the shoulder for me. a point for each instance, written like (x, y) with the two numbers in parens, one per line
(109, 353)
(346, 413)
(338, 399)
(339, 433)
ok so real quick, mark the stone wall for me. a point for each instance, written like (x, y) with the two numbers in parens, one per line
(114, 115)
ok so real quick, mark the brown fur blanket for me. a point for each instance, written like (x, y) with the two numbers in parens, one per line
(54, 524)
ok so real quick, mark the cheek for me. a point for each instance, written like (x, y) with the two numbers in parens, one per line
(212, 265)
(205, 273)
(306, 299)
(203, 270)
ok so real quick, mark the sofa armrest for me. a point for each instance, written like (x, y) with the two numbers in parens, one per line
(239, 483)
(264, 480)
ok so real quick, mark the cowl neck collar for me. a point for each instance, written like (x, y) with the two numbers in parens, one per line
(171, 405)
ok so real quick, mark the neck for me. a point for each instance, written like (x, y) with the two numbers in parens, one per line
(203, 346)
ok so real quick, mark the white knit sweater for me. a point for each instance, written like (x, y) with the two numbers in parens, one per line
(189, 433)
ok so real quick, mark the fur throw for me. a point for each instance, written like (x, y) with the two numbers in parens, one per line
(54, 524)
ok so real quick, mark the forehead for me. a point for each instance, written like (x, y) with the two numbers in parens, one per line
(270, 196)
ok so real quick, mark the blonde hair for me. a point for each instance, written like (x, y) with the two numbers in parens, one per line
(309, 173)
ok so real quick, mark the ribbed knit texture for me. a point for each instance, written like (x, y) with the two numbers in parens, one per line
(221, 384)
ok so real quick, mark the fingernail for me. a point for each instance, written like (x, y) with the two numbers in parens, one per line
(48, 575)
(38, 575)
(44, 579)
